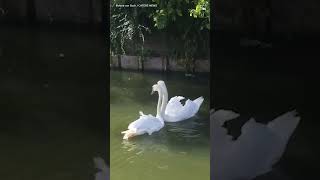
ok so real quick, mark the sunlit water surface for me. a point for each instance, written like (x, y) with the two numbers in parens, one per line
(179, 150)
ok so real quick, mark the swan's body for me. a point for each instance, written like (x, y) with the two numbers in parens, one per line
(256, 150)
(103, 173)
(175, 111)
(146, 124)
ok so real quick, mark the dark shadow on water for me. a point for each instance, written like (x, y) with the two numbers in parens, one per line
(53, 101)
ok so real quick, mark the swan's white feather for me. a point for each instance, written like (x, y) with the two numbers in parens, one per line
(223, 115)
(176, 111)
(174, 104)
(145, 124)
(285, 124)
(255, 151)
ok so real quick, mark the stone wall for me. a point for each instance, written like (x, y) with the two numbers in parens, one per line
(155, 64)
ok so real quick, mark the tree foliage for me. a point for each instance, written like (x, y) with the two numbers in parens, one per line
(169, 11)
(185, 21)
(202, 10)
(126, 27)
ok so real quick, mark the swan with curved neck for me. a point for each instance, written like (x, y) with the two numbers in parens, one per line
(173, 110)
(147, 124)
(160, 102)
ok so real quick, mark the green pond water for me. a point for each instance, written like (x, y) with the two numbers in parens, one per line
(179, 150)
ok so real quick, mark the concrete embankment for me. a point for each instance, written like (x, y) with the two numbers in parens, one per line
(155, 64)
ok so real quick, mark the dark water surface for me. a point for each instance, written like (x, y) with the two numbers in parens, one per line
(262, 84)
(53, 106)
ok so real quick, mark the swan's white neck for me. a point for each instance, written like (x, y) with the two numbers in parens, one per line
(159, 103)
(164, 97)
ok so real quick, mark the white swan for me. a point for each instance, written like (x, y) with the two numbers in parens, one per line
(103, 173)
(175, 111)
(255, 151)
(147, 123)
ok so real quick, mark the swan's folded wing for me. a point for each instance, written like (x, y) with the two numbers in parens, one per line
(257, 147)
(285, 124)
(220, 133)
(147, 123)
(174, 105)
(268, 141)
(180, 112)
(223, 115)
(189, 109)
(198, 101)
(143, 119)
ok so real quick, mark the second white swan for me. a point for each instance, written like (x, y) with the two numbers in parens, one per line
(147, 123)
(175, 111)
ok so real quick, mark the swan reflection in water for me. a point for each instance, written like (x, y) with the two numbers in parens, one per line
(178, 133)
(103, 169)
(173, 140)
(144, 144)
(254, 152)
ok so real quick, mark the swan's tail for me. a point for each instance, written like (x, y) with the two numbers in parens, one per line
(285, 124)
(128, 134)
(199, 101)
(141, 113)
